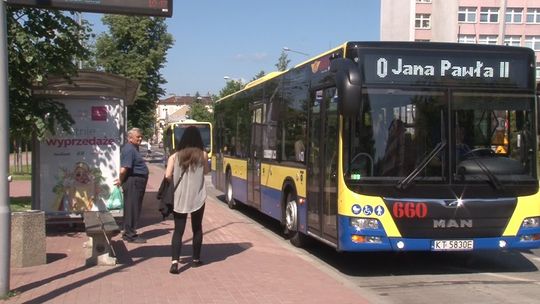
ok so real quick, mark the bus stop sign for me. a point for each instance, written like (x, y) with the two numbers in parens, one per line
(158, 8)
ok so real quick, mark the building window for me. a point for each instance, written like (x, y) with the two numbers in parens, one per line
(487, 39)
(467, 39)
(422, 21)
(467, 14)
(537, 70)
(533, 15)
(512, 40)
(533, 42)
(513, 15)
(489, 14)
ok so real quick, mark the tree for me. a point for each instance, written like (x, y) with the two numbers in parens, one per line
(283, 62)
(41, 43)
(198, 111)
(258, 75)
(232, 86)
(136, 48)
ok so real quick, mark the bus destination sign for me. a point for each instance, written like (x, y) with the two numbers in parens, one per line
(468, 69)
(157, 8)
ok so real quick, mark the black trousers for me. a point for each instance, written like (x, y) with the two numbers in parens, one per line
(180, 220)
(133, 188)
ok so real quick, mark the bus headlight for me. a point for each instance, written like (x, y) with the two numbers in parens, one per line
(530, 237)
(359, 239)
(531, 222)
(364, 223)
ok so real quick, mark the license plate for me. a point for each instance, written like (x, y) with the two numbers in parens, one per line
(452, 245)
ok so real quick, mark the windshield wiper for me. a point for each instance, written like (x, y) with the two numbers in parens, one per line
(405, 182)
(494, 181)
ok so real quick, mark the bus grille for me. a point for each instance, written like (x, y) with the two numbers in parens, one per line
(450, 218)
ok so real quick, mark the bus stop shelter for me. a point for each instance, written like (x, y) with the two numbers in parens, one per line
(74, 171)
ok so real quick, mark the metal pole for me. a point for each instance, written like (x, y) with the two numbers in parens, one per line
(79, 20)
(5, 212)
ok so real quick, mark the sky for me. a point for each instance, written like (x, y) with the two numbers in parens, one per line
(240, 38)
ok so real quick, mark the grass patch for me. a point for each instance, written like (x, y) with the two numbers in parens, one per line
(18, 204)
(21, 176)
(21, 173)
(10, 294)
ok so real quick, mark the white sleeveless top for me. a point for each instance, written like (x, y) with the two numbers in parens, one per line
(191, 192)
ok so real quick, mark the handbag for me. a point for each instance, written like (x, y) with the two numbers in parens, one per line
(116, 200)
(166, 195)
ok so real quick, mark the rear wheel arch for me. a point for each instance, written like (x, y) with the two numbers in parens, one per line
(288, 188)
(291, 216)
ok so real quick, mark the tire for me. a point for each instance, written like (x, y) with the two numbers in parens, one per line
(297, 238)
(229, 191)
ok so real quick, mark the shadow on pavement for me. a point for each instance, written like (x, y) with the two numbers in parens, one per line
(53, 257)
(212, 253)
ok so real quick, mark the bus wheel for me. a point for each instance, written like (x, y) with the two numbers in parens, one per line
(296, 238)
(229, 191)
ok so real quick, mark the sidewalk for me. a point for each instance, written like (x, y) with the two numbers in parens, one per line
(242, 265)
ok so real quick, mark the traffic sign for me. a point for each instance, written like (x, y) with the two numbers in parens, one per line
(158, 8)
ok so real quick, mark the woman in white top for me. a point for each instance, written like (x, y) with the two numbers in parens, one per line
(187, 168)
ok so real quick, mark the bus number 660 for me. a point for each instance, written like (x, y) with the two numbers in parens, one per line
(409, 210)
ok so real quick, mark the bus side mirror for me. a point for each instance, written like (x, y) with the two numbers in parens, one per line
(348, 84)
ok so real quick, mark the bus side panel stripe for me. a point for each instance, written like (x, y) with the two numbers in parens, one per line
(270, 202)
(302, 217)
(239, 189)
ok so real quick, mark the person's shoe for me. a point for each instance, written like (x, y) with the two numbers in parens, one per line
(174, 268)
(197, 263)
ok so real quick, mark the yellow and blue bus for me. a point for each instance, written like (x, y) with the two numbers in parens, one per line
(173, 132)
(389, 146)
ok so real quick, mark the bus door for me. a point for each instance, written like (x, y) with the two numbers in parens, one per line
(220, 173)
(322, 164)
(256, 155)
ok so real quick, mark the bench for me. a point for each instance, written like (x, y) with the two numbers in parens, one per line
(100, 227)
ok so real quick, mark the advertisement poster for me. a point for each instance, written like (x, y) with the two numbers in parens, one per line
(77, 170)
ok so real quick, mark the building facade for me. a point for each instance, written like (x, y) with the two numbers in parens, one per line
(503, 22)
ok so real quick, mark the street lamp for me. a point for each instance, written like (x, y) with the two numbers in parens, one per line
(286, 49)
(227, 79)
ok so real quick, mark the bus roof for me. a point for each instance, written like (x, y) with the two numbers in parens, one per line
(275, 74)
(187, 122)
(458, 47)
(434, 45)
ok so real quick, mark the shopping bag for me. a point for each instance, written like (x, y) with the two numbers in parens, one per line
(116, 199)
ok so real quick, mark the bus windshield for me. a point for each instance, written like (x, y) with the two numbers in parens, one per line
(203, 128)
(394, 131)
(433, 136)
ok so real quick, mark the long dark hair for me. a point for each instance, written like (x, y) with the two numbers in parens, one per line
(190, 148)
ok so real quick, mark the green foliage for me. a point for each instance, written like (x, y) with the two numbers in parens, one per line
(41, 43)
(232, 86)
(18, 204)
(23, 174)
(283, 62)
(258, 75)
(199, 111)
(136, 48)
